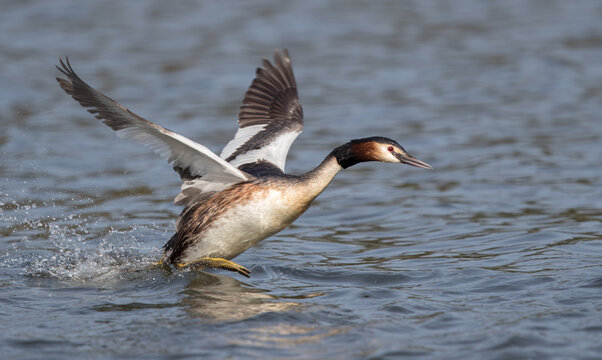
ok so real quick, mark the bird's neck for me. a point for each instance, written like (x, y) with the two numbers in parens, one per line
(318, 179)
(340, 158)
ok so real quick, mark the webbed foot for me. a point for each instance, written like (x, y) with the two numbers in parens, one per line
(218, 263)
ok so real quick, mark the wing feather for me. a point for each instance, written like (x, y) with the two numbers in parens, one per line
(270, 117)
(189, 159)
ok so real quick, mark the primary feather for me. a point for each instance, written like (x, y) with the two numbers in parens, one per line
(270, 117)
(190, 159)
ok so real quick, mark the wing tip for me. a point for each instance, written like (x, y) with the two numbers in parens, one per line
(66, 67)
(282, 54)
(72, 80)
(272, 84)
(281, 71)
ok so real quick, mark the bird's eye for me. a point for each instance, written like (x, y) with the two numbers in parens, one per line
(390, 148)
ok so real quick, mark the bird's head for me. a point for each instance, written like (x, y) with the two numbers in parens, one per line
(375, 149)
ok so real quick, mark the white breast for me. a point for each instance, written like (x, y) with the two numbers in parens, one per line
(267, 212)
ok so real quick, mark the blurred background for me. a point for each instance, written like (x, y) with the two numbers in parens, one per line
(493, 254)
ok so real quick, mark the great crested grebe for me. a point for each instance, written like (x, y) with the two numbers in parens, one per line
(233, 201)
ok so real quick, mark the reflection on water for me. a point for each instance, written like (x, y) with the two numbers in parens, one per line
(221, 298)
(287, 336)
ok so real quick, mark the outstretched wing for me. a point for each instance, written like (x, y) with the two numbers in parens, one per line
(191, 160)
(270, 118)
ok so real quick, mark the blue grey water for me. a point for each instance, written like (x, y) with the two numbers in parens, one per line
(494, 254)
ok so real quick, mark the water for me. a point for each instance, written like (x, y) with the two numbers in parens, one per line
(494, 254)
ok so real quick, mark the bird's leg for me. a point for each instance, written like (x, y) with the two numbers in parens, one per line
(218, 263)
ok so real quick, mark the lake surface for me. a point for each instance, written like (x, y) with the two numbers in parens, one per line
(494, 254)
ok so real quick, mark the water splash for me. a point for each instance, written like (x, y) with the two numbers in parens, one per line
(74, 257)
(71, 248)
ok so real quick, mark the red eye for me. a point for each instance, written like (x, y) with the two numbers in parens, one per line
(390, 148)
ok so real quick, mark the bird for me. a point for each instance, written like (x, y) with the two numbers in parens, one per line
(234, 200)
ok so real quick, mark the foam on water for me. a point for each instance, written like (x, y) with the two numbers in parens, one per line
(64, 248)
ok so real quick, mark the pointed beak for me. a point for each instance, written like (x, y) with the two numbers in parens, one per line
(410, 160)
